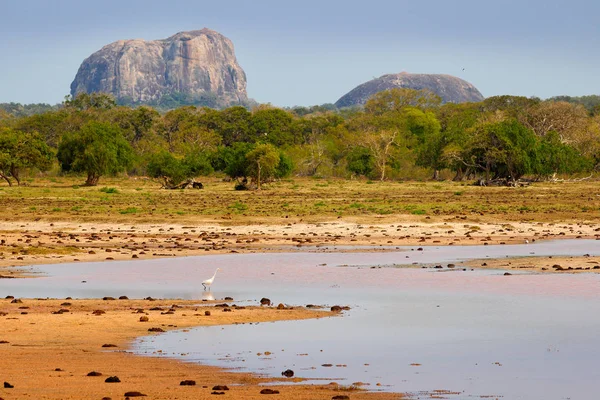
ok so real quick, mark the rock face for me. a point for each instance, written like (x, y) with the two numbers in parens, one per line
(450, 88)
(196, 64)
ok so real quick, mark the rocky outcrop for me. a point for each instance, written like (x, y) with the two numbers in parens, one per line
(195, 64)
(450, 88)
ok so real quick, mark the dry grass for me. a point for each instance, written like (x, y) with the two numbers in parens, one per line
(309, 200)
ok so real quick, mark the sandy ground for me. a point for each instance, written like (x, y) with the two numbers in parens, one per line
(29, 243)
(45, 354)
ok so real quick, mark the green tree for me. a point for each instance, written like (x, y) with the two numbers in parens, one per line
(400, 98)
(554, 157)
(272, 125)
(504, 150)
(20, 150)
(360, 161)
(262, 163)
(86, 101)
(97, 149)
(172, 171)
(232, 160)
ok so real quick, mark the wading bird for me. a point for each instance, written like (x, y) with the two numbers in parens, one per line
(209, 282)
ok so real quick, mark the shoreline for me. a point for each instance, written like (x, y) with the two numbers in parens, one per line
(42, 340)
(45, 358)
(29, 243)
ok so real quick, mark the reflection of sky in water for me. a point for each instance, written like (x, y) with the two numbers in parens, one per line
(476, 332)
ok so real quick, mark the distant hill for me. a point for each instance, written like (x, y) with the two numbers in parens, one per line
(25, 110)
(195, 67)
(450, 88)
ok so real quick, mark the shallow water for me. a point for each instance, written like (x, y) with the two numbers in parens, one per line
(477, 332)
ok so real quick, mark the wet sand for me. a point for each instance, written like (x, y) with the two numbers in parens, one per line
(48, 355)
(28, 243)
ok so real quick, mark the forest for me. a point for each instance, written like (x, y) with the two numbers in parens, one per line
(399, 134)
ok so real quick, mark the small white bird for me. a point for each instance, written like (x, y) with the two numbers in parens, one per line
(209, 282)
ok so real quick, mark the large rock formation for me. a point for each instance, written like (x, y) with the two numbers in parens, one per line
(450, 88)
(195, 64)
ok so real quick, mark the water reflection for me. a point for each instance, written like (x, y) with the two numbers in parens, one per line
(208, 296)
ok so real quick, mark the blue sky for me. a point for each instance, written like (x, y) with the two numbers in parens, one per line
(312, 52)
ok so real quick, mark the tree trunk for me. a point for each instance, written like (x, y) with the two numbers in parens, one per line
(92, 179)
(14, 171)
(436, 175)
(258, 180)
(5, 178)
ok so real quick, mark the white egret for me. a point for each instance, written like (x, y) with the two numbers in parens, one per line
(209, 282)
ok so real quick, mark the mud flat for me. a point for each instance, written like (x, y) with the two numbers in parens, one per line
(67, 349)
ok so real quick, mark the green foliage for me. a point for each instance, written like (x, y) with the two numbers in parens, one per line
(360, 161)
(21, 150)
(86, 101)
(557, 157)
(232, 160)
(172, 171)
(399, 134)
(285, 166)
(505, 149)
(97, 149)
(263, 161)
(272, 125)
(19, 110)
(111, 190)
(591, 103)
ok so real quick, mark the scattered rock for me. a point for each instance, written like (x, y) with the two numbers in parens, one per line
(109, 345)
(507, 274)
(281, 306)
(340, 397)
(8, 385)
(228, 298)
(217, 392)
(207, 313)
(16, 301)
(98, 312)
(220, 387)
(112, 379)
(288, 373)
(336, 309)
(108, 298)
(269, 391)
(144, 318)
(134, 394)
(58, 369)
(187, 383)
(265, 302)
(156, 330)
(123, 298)
(94, 373)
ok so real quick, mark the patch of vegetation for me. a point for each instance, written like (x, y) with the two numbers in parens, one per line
(109, 190)
(129, 210)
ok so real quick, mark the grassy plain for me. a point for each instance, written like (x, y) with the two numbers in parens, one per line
(141, 200)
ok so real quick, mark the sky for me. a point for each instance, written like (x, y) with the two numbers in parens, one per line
(308, 52)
